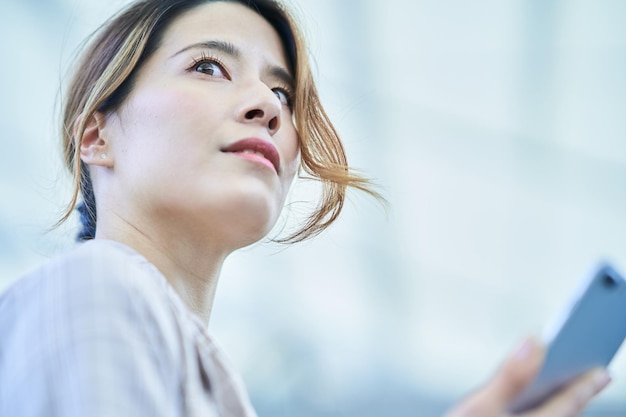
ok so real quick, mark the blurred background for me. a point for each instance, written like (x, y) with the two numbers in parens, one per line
(495, 129)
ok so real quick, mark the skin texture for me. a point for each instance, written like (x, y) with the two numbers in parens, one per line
(166, 187)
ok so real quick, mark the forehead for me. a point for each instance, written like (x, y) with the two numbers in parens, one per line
(226, 21)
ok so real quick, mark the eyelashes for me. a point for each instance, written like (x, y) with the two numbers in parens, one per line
(213, 67)
(209, 65)
(285, 95)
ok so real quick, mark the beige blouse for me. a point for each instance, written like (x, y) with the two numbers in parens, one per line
(100, 332)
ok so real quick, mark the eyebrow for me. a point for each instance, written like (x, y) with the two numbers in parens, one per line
(229, 49)
(283, 75)
(226, 47)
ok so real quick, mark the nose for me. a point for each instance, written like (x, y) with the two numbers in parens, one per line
(261, 106)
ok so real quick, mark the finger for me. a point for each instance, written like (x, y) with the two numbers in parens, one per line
(515, 373)
(572, 400)
(508, 382)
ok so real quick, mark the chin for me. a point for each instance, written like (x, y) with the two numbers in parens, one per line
(235, 214)
(247, 220)
(254, 228)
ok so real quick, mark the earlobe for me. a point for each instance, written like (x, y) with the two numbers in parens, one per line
(94, 146)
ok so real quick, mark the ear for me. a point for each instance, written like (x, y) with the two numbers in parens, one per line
(95, 149)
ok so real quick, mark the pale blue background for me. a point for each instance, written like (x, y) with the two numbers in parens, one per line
(496, 130)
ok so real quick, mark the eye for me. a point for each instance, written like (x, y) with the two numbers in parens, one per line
(285, 96)
(209, 66)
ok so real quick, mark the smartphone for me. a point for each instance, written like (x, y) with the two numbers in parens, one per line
(586, 335)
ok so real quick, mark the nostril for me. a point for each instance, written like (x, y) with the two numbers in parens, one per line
(254, 113)
(273, 124)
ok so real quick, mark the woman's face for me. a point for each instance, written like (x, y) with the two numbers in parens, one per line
(206, 138)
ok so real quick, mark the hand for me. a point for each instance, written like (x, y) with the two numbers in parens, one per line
(515, 374)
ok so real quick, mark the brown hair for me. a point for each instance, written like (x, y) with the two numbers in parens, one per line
(104, 77)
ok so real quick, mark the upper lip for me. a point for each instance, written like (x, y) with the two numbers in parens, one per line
(264, 147)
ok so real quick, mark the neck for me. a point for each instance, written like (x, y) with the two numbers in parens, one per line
(191, 266)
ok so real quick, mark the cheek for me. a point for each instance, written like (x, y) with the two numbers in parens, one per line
(290, 145)
(161, 124)
(291, 153)
(161, 112)
(291, 168)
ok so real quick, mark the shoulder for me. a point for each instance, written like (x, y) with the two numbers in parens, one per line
(88, 262)
(93, 269)
(100, 289)
(96, 321)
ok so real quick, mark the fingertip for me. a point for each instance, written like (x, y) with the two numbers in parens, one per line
(521, 367)
(527, 349)
(601, 378)
(512, 377)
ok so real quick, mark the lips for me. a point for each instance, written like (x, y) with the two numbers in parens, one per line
(254, 148)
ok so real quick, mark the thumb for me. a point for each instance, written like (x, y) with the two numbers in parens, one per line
(510, 379)
(516, 372)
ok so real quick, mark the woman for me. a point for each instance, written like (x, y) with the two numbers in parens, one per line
(184, 126)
